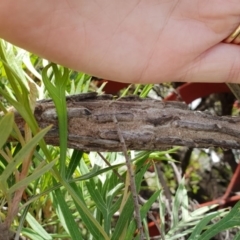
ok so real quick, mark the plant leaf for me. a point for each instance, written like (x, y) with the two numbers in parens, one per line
(201, 226)
(143, 211)
(37, 227)
(17, 159)
(6, 126)
(232, 219)
(26, 181)
(181, 191)
(57, 93)
(65, 215)
(74, 162)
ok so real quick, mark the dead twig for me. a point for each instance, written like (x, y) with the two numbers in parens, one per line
(114, 170)
(132, 180)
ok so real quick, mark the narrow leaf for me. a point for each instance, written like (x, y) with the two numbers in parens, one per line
(65, 215)
(232, 219)
(37, 227)
(22, 153)
(96, 196)
(143, 211)
(92, 228)
(201, 226)
(178, 199)
(74, 163)
(84, 209)
(57, 93)
(6, 126)
(26, 181)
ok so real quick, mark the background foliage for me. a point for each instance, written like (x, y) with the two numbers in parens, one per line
(51, 192)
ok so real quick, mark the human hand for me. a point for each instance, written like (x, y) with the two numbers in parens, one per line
(130, 41)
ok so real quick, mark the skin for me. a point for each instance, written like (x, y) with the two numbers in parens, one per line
(138, 41)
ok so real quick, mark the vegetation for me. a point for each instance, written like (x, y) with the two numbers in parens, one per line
(51, 192)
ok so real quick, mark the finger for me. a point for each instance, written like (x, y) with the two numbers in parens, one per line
(219, 64)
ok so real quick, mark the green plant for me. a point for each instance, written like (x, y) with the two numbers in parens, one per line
(51, 192)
